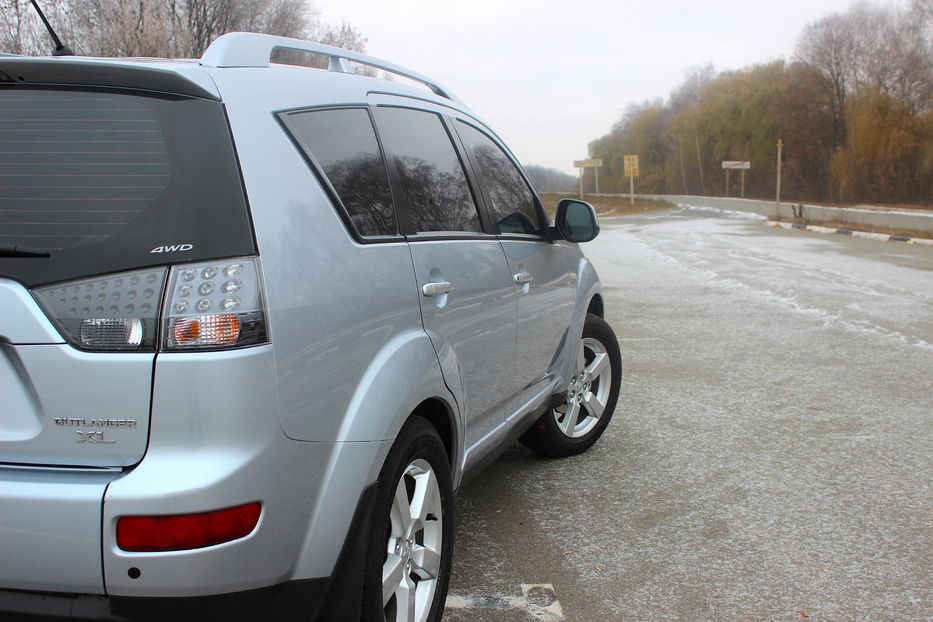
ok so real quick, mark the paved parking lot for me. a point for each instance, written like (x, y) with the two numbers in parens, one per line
(771, 455)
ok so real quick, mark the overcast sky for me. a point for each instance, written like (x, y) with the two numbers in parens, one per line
(551, 76)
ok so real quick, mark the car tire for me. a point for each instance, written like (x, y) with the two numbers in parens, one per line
(410, 541)
(574, 426)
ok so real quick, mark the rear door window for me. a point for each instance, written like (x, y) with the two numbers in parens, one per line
(106, 181)
(433, 183)
(343, 143)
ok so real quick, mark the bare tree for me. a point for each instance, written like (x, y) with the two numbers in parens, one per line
(162, 28)
(884, 48)
(21, 31)
(827, 46)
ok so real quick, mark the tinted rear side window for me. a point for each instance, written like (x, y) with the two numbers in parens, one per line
(102, 179)
(344, 144)
(433, 182)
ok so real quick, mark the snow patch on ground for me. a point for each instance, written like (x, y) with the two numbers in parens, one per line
(725, 213)
(827, 318)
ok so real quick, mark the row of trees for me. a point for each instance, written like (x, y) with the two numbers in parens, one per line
(161, 28)
(550, 179)
(854, 109)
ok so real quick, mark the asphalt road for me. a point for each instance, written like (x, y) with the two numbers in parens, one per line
(772, 454)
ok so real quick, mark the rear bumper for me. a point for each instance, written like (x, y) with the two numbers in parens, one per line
(295, 600)
(50, 529)
(332, 599)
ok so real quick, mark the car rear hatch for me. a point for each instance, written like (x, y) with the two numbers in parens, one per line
(102, 187)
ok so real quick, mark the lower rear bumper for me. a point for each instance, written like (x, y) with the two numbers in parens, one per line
(329, 599)
(294, 600)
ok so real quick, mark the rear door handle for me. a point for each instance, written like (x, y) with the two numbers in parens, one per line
(523, 277)
(435, 289)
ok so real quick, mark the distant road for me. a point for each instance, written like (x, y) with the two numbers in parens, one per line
(771, 454)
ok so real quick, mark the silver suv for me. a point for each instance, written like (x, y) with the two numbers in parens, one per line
(259, 322)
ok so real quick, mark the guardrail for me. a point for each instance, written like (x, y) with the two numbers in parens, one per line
(886, 218)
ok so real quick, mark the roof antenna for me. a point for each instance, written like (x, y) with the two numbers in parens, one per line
(60, 48)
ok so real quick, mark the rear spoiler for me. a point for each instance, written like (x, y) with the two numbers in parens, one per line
(45, 71)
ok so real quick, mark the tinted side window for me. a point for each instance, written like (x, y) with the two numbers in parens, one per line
(513, 204)
(432, 177)
(344, 144)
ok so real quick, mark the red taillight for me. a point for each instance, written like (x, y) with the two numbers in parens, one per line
(188, 531)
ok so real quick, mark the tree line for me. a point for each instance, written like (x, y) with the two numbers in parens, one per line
(853, 107)
(162, 28)
(550, 179)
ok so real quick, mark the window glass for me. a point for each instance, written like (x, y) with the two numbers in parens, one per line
(432, 176)
(102, 180)
(513, 204)
(344, 143)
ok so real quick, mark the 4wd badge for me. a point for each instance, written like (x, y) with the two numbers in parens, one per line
(172, 248)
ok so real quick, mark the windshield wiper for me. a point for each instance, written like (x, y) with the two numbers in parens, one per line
(12, 250)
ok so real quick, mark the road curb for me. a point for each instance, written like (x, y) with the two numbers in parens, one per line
(883, 237)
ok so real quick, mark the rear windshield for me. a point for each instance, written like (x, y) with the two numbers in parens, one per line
(107, 181)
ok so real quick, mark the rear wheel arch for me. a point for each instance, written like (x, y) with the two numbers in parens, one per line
(439, 415)
(410, 536)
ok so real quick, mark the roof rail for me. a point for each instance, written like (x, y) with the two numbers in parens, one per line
(249, 49)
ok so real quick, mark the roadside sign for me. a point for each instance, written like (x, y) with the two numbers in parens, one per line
(741, 165)
(593, 164)
(631, 171)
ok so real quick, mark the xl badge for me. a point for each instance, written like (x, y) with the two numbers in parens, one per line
(92, 437)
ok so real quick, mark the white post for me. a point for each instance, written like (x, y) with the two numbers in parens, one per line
(777, 200)
(596, 174)
(581, 183)
(743, 183)
(631, 191)
(727, 183)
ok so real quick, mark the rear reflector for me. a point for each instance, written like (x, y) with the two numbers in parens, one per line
(188, 531)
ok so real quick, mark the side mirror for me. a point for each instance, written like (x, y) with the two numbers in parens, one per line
(576, 221)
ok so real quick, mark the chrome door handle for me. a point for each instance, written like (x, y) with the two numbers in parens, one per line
(523, 277)
(435, 289)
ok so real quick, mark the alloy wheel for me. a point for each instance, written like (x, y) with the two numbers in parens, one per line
(589, 390)
(413, 550)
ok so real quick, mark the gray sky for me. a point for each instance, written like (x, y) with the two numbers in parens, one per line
(551, 76)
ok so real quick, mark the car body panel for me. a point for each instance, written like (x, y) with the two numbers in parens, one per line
(50, 529)
(23, 321)
(216, 442)
(336, 305)
(545, 307)
(66, 407)
(474, 324)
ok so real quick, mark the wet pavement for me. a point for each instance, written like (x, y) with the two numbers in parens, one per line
(771, 455)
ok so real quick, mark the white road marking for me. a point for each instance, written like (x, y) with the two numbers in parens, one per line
(537, 599)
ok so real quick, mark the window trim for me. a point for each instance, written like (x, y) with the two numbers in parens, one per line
(306, 153)
(484, 190)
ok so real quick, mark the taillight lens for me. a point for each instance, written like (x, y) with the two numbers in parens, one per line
(186, 531)
(205, 306)
(118, 312)
(213, 305)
